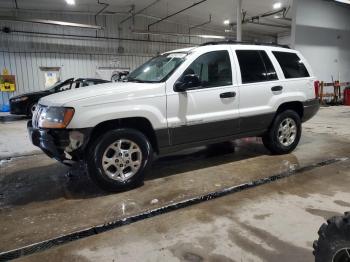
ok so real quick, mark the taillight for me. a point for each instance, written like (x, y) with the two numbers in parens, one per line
(317, 88)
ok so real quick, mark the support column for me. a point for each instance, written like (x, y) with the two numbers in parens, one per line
(239, 21)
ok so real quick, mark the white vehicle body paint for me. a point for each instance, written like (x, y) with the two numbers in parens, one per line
(198, 114)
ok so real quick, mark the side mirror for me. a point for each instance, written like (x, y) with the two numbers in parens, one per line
(186, 82)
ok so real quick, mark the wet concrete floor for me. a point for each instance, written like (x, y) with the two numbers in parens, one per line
(274, 222)
(38, 201)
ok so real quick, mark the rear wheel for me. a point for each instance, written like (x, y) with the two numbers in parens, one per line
(119, 159)
(284, 134)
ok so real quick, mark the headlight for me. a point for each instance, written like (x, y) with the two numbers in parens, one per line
(55, 117)
(23, 98)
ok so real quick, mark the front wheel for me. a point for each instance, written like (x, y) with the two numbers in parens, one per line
(284, 134)
(119, 159)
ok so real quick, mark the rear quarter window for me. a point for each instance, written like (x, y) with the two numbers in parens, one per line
(291, 65)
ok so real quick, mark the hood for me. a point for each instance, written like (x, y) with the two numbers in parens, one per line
(38, 93)
(102, 93)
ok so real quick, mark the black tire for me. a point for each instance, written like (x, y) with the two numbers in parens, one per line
(96, 151)
(29, 110)
(334, 240)
(271, 140)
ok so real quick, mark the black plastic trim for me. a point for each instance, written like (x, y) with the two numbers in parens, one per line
(203, 131)
(53, 141)
(311, 107)
(162, 136)
(256, 122)
(233, 42)
(188, 136)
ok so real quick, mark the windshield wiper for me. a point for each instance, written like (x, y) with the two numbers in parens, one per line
(140, 81)
(134, 80)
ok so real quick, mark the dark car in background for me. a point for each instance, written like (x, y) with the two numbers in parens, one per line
(25, 104)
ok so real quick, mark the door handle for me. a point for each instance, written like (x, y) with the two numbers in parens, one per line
(227, 94)
(276, 88)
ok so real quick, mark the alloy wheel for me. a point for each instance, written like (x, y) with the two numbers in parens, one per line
(121, 160)
(342, 255)
(287, 132)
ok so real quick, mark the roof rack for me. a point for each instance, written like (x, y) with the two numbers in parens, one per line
(234, 42)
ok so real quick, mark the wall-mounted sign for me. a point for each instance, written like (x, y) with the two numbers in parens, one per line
(7, 83)
(51, 75)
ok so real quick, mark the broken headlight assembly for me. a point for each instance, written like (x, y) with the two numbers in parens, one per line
(55, 117)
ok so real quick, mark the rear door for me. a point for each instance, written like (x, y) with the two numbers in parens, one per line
(259, 84)
(298, 79)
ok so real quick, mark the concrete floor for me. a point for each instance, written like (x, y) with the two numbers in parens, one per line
(271, 222)
(14, 139)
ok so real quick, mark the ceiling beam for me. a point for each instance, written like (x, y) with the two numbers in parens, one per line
(269, 24)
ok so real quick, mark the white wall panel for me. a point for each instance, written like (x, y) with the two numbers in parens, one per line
(322, 33)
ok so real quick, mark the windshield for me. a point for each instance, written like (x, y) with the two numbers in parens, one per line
(52, 88)
(158, 69)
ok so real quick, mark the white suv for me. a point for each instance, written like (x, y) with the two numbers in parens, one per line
(184, 98)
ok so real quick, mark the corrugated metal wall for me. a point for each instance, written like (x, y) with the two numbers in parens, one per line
(29, 77)
(23, 53)
(31, 46)
(26, 67)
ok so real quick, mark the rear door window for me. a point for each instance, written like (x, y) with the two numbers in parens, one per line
(255, 66)
(270, 70)
(291, 65)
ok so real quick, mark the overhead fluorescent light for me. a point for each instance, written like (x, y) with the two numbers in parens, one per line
(277, 5)
(143, 32)
(344, 1)
(226, 22)
(49, 22)
(70, 2)
(212, 36)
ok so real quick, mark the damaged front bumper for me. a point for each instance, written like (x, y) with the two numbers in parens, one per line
(64, 145)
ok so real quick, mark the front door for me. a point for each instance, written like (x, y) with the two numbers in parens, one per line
(209, 109)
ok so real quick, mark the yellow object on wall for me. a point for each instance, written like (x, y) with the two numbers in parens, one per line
(7, 83)
(5, 71)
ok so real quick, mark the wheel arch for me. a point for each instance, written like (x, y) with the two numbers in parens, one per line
(141, 124)
(296, 106)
